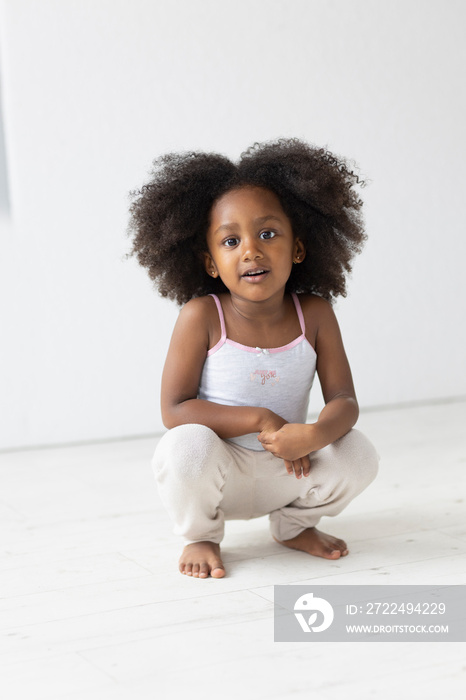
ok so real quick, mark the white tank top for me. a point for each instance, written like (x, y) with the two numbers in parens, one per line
(279, 379)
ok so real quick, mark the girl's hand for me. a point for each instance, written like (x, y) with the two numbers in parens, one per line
(291, 443)
(269, 422)
(300, 467)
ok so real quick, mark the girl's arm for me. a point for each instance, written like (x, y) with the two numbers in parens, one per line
(341, 409)
(181, 378)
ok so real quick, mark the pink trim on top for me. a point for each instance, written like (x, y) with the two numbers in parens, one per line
(223, 332)
(249, 348)
(270, 351)
(299, 311)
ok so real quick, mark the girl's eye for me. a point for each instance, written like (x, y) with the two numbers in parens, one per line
(267, 235)
(230, 242)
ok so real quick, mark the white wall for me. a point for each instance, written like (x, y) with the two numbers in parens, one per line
(95, 89)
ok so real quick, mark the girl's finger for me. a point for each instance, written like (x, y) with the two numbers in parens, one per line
(306, 462)
(288, 466)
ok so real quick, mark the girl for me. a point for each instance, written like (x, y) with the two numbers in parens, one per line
(256, 251)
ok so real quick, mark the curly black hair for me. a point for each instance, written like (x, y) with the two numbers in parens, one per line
(169, 216)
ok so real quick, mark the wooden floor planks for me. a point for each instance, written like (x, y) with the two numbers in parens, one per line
(92, 605)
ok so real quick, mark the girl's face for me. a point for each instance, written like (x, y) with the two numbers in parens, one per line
(251, 245)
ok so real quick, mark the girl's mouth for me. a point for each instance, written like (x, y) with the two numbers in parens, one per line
(256, 275)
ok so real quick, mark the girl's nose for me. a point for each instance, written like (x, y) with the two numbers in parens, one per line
(251, 249)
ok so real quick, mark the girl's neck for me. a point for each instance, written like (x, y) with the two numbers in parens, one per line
(266, 324)
(270, 311)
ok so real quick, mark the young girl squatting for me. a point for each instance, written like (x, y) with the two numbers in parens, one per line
(256, 251)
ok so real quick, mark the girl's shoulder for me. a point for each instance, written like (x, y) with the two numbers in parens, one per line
(199, 309)
(317, 313)
(311, 304)
(201, 315)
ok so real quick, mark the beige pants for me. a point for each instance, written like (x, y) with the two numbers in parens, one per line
(204, 480)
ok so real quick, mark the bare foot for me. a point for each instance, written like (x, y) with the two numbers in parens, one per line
(317, 543)
(201, 559)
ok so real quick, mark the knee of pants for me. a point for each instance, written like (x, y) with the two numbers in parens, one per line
(186, 452)
(360, 457)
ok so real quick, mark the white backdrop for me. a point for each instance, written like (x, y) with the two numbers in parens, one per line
(94, 90)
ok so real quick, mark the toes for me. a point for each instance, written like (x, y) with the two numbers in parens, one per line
(332, 553)
(336, 549)
(342, 547)
(217, 572)
(204, 570)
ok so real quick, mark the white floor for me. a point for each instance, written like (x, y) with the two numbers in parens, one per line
(93, 607)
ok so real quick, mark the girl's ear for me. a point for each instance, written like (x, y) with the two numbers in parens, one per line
(299, 251)
(209, 265)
